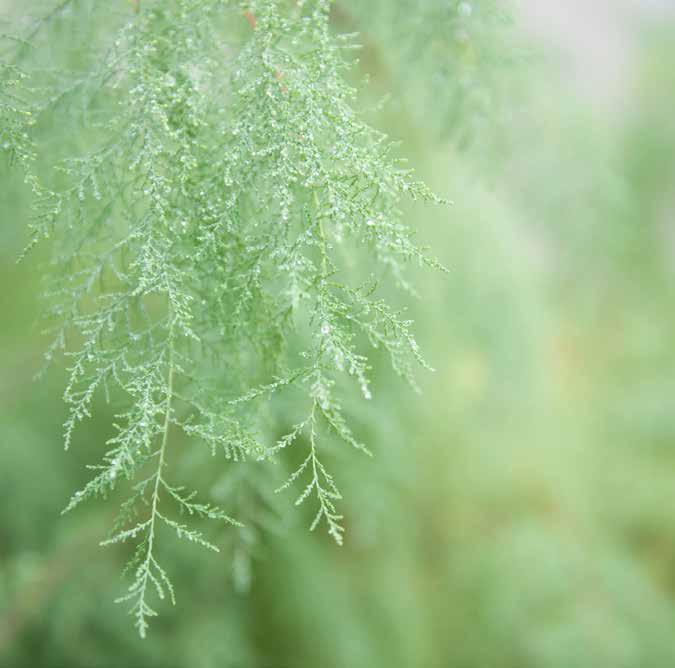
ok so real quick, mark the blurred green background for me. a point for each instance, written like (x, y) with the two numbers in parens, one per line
(519, 512)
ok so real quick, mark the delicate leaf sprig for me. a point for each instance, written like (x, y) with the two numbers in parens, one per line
(321, 485)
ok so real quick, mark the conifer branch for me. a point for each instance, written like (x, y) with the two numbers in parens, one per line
(199, 240)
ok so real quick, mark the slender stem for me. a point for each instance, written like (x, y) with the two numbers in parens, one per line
(324, 242)
(165, 439)
(149, 559)
(37, 26)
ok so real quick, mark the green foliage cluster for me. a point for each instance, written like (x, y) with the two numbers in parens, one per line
(200, 252)
(518, 513)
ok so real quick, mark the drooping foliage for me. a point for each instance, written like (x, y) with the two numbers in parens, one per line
(206, 216)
